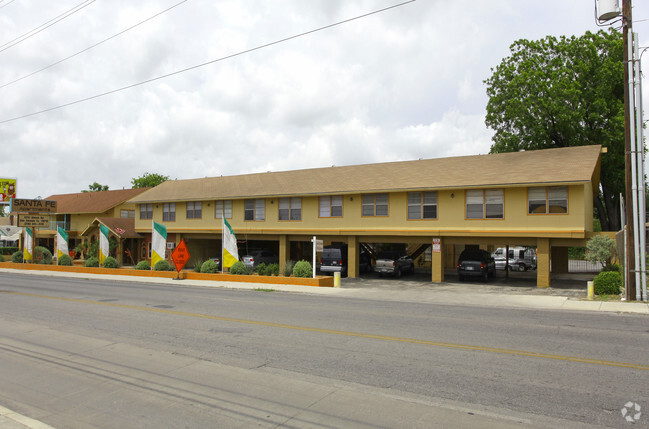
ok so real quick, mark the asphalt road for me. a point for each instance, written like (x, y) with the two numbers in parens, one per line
(89, 353)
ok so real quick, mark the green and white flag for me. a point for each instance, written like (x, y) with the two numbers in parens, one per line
(230, 251)
(103, 243)
(61, 243)
(158, 243)
(28, 248)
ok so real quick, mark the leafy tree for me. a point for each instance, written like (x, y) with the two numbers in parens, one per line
(96, 187)
(601, 248)
(564, 92)
(148, 180)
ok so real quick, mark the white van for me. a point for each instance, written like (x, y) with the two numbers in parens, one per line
(520, 258)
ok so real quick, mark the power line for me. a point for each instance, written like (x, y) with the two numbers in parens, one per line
(92, 46)
(6, 4)
(208, 62)
(46, 25)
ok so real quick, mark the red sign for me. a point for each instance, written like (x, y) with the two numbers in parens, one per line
(180, 255)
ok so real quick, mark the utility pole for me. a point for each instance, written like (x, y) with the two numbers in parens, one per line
(629, 268)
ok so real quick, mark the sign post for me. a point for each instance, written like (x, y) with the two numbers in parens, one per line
(29, 214)
(180, 256)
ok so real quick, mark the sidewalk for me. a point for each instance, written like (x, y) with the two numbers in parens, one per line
(448, 293)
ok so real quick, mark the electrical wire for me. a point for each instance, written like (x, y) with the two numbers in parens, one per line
(6, 4)
(227, 57)
(92, 46)
(46, 25)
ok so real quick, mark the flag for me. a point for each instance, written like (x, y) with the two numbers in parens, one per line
(103, 243)
(230, 252)
(158, 243)
(61, 243)
(28, 244)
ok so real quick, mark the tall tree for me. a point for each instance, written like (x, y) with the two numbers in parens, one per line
(96, 187)
(564, 92)
(148, 180)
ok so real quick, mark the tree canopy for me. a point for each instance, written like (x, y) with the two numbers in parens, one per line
(564, 92)
(148, 180)
(96, 187)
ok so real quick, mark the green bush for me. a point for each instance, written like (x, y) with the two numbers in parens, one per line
(42, 256)
(163, 266)
(288, 269)
(17, 257)
(65, 260)
(143, 265)
(239, 268)
(608, 283)
(302, 269)
(92, 262)
(111, 262)
(2, 258)
(198, 265)
(578, 253)
(601, 248)
(261, 269)
(613, 267)
(209, 267)
(8, 251)
(272, 270)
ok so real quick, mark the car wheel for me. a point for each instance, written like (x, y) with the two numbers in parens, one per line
(521, 267)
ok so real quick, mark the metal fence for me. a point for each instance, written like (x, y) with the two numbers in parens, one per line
(576, 266)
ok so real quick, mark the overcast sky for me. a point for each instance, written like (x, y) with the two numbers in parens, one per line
(403, 84)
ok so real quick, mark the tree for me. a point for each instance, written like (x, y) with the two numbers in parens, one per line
(148, 180)
(96, 187)
(602, 249)
(564, 92)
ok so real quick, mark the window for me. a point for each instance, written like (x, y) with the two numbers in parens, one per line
(194, 210)
(544, 200)
(422, 205)
(254, 209)
(222, 209)
(331, 206)
(146, 211)
(375, 205)
(169, 212)
(290, 208)
(127, 214)
(485, 204)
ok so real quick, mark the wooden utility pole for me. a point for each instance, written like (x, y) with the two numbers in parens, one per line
(629, 267)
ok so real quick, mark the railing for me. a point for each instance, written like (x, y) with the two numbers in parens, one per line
(577, 266)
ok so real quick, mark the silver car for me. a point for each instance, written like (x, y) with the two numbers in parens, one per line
(256, 257)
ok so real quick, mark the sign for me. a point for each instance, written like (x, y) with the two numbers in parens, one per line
(318, 246)
(437, 245)
(33, 221)
(180, 255)
(33, 206)
(7, 190)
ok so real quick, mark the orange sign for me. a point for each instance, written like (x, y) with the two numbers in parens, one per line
(180, 255)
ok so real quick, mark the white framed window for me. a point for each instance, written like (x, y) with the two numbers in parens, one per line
(422, 205)
(290, 208)
(331, 206)
(146, 211)
(223, 208)
(375, 205)
(485, 204)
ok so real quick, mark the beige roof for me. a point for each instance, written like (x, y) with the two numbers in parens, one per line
(549, 166)
(93, 202)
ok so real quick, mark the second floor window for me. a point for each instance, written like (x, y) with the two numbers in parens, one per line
(375, 205)
(290, 208)
(331, 206)
(223, 209)
(544, 200)
(485, 204)
(146, 211)
(254, 209)
(169, 212)
(127, 214)
(422, 205)
(194, 210)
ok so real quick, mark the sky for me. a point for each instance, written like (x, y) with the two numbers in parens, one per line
(402, 84)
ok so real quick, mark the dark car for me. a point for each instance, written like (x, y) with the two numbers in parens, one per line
(334, 259)
(476, 263)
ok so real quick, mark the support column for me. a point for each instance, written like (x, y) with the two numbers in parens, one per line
(437, 260)
(353, 253)
(543, 262)
(283, 252)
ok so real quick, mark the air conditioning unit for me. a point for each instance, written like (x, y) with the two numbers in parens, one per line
(608, 9)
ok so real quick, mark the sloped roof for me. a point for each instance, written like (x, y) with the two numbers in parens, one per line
(550, 166)
(122, 227)
(93, 202)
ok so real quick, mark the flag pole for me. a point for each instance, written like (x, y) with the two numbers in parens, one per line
(222, 242)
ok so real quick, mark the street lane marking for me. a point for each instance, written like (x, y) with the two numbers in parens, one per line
(346, 333)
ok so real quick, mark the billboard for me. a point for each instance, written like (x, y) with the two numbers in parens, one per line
(7, 190)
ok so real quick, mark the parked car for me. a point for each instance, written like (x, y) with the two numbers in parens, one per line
(520, 258)
(476, 263)
(256, 257)
(394, 264)
(217, 259)
(334, 259)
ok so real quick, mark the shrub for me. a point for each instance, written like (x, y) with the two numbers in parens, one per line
(163, 266)
(2, 258)
(143, 265)
(608, 283)
(288, 269)
(8, 251)
(92, 262)
(209, 267)
(239, 268)
(302, 269)
(65, 260)
(198, 266)
(272, 270)
(111, 262)
(261, 269)
(42, 256)
(613, 267)
(17, 257)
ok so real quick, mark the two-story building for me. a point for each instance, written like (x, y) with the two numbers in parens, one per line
(542, 199)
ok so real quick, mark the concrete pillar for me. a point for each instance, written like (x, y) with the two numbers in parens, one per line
(283, 252)
(437, 262)
(559, 260)
(543, 262)
(353, 252)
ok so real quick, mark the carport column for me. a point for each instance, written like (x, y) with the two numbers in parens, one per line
(283, 251)
(437, 263)
(352, 256)
(543, 262)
